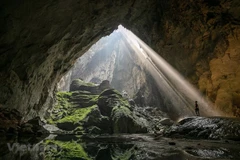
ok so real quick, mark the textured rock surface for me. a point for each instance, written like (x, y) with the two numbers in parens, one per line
(33, 127)
(11, 124)
(206, 128)
(123, 119)
(86, 111)
(40, 40)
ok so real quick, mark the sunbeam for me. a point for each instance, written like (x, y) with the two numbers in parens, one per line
(178, 90)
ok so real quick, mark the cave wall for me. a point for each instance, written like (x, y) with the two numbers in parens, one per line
(40, 41)
(201, 40)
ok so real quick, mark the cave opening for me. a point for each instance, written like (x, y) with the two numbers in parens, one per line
(124, 62)
(121, 100)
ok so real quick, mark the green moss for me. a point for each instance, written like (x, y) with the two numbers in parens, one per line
(50, 121)
(84, 97)
(64, 94)
(119, 110)
(67, 108)
(79, 82)
(63, 100)
(68, 150)
(94, 99)
(78, 115)
(79, 130)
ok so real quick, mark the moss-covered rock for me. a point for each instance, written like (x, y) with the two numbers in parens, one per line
(108, 99)
(94, 118)
(71, 103)
(83, 99)
(77, 115)
(124, 121)
(65, 150)
(112, 104)
(85, 112)
(71, 109)
(73, 120)
(78, 84)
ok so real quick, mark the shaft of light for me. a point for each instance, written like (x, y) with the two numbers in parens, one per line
(170, 79)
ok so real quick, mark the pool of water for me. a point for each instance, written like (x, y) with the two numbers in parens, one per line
(116, 147)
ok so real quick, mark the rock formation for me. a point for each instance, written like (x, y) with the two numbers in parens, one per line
(113, 58)
(206, 128)
(12, 124)
(40, 41)
(95, 109)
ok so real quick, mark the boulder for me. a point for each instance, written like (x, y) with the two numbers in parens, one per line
(107, 100)
(78, 84)
(104, 85)
(124, 121)
(166, 122)
(112, 104)
(94, 118)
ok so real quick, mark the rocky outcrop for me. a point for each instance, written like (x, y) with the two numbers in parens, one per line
(10, 121)
(123, 120)
(95, 123)
(40, 41)
(206, 128)
(84, 111)
(33, 127)
(11, 124)
(79, 85)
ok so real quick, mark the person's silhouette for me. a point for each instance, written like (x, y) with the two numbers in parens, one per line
(197, 109)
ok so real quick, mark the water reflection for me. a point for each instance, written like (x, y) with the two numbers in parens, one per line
(118, 147)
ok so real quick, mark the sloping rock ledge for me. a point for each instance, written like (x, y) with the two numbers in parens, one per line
(214, 128)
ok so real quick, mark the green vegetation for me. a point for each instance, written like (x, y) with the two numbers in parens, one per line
(63, 99)
(121, 111)
(66, 150)
(83, 99)
(72, 106)
(78, 115)
(82, 107)
(79, 82)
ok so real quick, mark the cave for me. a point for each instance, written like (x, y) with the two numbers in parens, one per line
(42, 40)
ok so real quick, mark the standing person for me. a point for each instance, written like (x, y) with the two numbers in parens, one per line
(197, 109)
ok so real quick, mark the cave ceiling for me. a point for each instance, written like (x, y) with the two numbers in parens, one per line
(41, 40)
